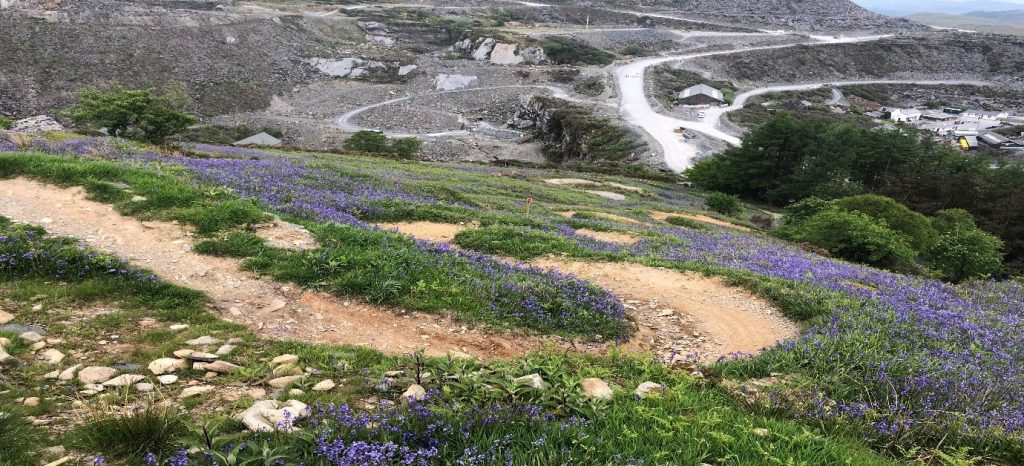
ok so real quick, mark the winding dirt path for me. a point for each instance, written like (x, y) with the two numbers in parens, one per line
(273, 309)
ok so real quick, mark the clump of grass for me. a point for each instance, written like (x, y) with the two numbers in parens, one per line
(686, 223)
(19, 439)
(235, 244)
(133, 435)
(224, 215)
(522, 243)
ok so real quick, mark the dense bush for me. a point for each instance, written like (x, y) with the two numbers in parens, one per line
(724, 204)
(5, 122)
(915, 227)
(947, 220)
(961, 254)
(569, 51)
(375, 142)
(592, 86)
(856, 237)
(140, 114)
(789, 159)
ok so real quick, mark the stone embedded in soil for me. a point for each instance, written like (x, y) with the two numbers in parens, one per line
(69, 373)
(96, 374)
(31, 337)
(202, 357)
(167, 379)
(167, 365)
(648, 389)
(285, 359)
(31, 401)
(271, 415)
(4, 357)
(124, 380)
(182, 353)
(52, 374)
(282, 382)
(225, 350)
(596, 388)
(51, 356)
(532, 381)
(5, 317)
(193, 391)
(324, 386)
(220, 367)
(202, 341)
(415, 392)
(144, 387)
(178, 327)
(287, 369)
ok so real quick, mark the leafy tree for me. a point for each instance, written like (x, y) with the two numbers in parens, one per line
(947, 220)
(856, 237)
(724, 204)
(375, 142)
(916, 227)
(800, 211)
(141, 114)
(406, 148)
(961, 254)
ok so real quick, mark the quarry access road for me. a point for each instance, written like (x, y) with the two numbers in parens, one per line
(635, 108)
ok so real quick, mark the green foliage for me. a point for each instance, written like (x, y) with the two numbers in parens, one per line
(231, 213)
(140, 114)
(854, 236)
(948, 220)
(788, 159)
(523, 243)
(568, 51)
(799, 212)
(235, 244)
(965, 253)
(132, 435)
(686, 223)
(19, 439)
(916, 228)
(505, 15)
(5, 122)
(374, 142)
(724, 204)
(575, 133)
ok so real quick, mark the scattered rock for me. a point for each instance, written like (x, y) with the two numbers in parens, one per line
(178, 327)
(225, 350)
(167, 379)
(287, 369)
(271, 415)
(167, 365)
(183, 353)
(31, 401)
(4, 357)
(69, 373)
(202, 341)
(483, 51)
(5, 317)
(193, 391)
(282, 382)
(285, 359)
(36, 124)
(415, 392)
(596, 388)
(452, 82)
(532, 381)
(393, 374)
(37, 346)
(51, 375)
(96, 374)
(505, 54)
(51, 355)
(124, 380)
(324, 386)
(144, 387)
(648, 389)
(220, 367)
(31, 337)
(274, 306)
(198, 356)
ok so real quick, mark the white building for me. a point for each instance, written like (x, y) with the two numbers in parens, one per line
(986, 115)
(907, 115)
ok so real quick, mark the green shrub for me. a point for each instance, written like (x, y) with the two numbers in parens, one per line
(915, 227)
(569, 51)
(948, 220)
(967, 253)
(686, 223)
(5, 122)
(592, 86)
(564, 75)
(141, 114)
(224, 216)
(522, 243)
(236, 244)
(855, 236)
(133, 435)
(375, 142)
(724, 204)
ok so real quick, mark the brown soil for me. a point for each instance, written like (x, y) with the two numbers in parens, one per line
(284, 312)
(662, 216)
(609, 236)
(675, 311)
(430, 231)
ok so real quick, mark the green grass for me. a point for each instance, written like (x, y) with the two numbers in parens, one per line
(686, 223)
(131, 436)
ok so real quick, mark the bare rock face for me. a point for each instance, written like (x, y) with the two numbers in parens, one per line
(451, 82)
(483, 50)
(36, 124)
(534, 55)
(596, 388)
(96, 374)
(271, 415)
(505, 54)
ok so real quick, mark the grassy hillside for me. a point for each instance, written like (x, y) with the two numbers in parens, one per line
(890, 368)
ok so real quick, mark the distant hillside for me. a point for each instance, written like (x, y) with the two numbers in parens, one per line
(1000, 22)
(789, 14)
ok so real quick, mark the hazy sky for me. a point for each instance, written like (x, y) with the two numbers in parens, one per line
(939, 6)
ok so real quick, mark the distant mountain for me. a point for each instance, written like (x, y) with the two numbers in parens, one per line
(954, 7)
(1000, 22)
